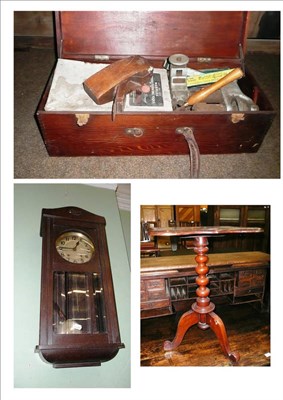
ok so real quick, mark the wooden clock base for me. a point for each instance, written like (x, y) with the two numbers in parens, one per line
(202, 310)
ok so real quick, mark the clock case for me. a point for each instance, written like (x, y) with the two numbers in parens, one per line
(99, 343)
(210, 39)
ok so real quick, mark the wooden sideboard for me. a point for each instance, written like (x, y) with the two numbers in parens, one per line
(168, 283)
(244, 216)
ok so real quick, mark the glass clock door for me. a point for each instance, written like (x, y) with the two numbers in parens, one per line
(78, 303)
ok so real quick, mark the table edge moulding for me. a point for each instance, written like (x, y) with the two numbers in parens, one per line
(202, 311)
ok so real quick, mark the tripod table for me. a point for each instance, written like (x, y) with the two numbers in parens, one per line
(201, 312)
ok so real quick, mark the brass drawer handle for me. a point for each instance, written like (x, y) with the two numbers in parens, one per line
(136, 132)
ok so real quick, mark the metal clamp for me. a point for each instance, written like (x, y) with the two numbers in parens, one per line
(194, 150)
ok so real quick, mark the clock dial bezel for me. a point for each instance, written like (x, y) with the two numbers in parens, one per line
(71, 256)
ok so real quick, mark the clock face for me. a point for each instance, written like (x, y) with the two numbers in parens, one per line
(75, 247)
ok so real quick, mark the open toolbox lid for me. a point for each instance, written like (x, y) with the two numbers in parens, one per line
(97, 35)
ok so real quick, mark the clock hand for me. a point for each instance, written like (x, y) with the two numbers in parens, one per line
(65, 248)
(70, 248)
(75, 248)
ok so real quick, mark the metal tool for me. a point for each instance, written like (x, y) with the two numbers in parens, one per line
(228, 98)
(236, 100)
(177, 76)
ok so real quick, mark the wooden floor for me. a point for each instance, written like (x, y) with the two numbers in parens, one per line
(248, 332)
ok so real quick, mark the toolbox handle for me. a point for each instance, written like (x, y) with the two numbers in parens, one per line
(188, 134)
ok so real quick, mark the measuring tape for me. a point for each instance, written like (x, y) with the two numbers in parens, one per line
(206, 78)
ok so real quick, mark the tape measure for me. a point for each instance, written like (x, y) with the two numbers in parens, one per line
(206, 78)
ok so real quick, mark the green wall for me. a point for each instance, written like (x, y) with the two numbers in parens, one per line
(29, 370)
(126, 224)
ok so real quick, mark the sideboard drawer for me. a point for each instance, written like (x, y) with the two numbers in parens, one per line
(154, 293)
(249, 279)
(153, 284)
(160, 303)
(248, 291)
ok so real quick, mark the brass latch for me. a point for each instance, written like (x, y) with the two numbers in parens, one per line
(82, 119)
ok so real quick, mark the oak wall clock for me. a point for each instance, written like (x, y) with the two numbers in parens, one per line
(78, 318)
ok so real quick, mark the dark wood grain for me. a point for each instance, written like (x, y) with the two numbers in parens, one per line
(203, 230)
(155, 35)
(94, 346)
(101, 136)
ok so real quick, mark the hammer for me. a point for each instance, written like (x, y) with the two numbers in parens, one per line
(203, 93)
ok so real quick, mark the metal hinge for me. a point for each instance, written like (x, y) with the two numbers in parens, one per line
(204, 59)
(101, 57)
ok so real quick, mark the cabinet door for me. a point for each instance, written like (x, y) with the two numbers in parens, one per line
(159, 214)
(231, 215)
(260, 216)
(164, 214)
(187, 214)
(148, 213)
(225, 215)
(228, 216)
(257, 215)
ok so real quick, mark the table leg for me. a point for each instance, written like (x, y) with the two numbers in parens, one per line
(218, 327)
(187, 320)
(202, 310)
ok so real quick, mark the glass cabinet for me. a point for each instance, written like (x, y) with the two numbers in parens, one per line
(241, 215)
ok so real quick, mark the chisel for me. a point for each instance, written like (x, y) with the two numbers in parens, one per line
(203, 93)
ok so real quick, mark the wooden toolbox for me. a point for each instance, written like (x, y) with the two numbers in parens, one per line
(211, 40)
